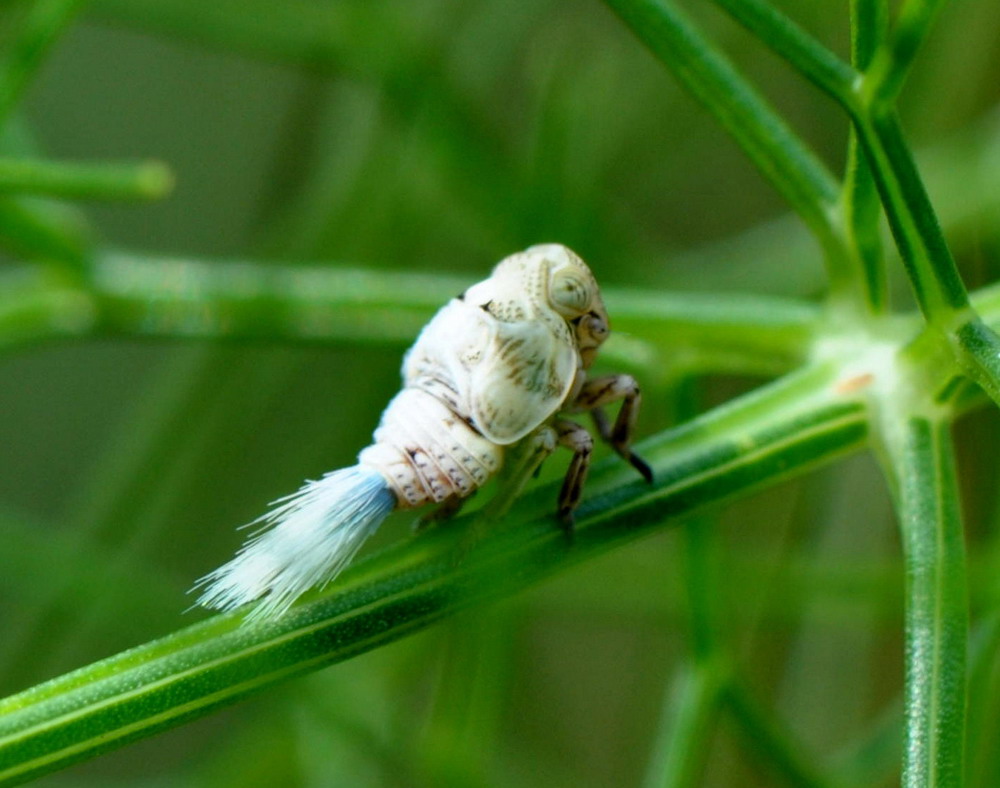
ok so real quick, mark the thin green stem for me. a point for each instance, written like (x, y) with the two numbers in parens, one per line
(861, 211)
(807, 55)
(869, 26)
(918, 235)
(132, 295)
(859, 200)
(38, 304)
(705, 586)
(150, 180)
(933, 274)
(40, 28)
(862, 250)
(777, 151)
(977, 348)
(691, 709)
(921, 468)
(874, 759)
(37, 229)
(703, 557)
(765, 436)
(769, 736)
(689, 718)
(894, 57)
(983, 695)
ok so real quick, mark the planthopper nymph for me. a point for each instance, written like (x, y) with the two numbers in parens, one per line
(489, 379)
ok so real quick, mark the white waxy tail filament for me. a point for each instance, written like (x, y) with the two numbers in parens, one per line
(305, 541)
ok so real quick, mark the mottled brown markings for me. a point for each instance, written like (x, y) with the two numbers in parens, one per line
(575, 438)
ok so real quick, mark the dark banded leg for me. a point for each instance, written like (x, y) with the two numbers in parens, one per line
(575, 438)
(605, 390)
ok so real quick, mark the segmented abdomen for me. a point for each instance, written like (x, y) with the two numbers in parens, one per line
(427, 452)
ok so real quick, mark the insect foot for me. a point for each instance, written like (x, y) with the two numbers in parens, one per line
(489, 376)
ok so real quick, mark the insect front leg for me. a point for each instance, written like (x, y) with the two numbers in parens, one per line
(578, 440)
(601, 391)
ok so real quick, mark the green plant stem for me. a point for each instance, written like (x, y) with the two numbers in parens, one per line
(962, 172)
(983, 649)
(689, 718)
(769, 737)
(860, 207)
(861, 254)
(918, 235)
(150, 180)
(691, 710)
(859, 200)
(132, 295)
(703, 579)
(894, 57)
(931, 268)
(875, 758)
(780, 155)
(869, 27)
(781, 429)
(40, 28)
(37, 303)
(977, 347)
(42, 230)
(922, 471)
(801, 50)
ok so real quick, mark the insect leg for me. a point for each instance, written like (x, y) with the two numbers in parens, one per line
(604, 390)
(602, 423)
(526, 459)
(451, 506)
(578, 440)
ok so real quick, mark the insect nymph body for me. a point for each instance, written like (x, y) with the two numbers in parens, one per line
(488, 376)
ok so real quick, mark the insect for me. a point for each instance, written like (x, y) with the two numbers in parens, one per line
(487, 380)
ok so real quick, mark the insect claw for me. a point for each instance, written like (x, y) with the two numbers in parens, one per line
(642, 466)
(568, 524)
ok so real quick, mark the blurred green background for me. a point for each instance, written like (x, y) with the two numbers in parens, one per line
(441, 135)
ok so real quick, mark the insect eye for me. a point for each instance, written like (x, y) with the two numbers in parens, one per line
(570, 293)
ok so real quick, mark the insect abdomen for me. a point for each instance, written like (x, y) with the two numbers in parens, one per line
(427, 452)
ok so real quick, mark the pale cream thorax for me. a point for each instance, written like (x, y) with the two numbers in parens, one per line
(492, 366)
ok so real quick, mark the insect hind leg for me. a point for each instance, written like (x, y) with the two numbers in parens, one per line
(527, 459)
(447, 509)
